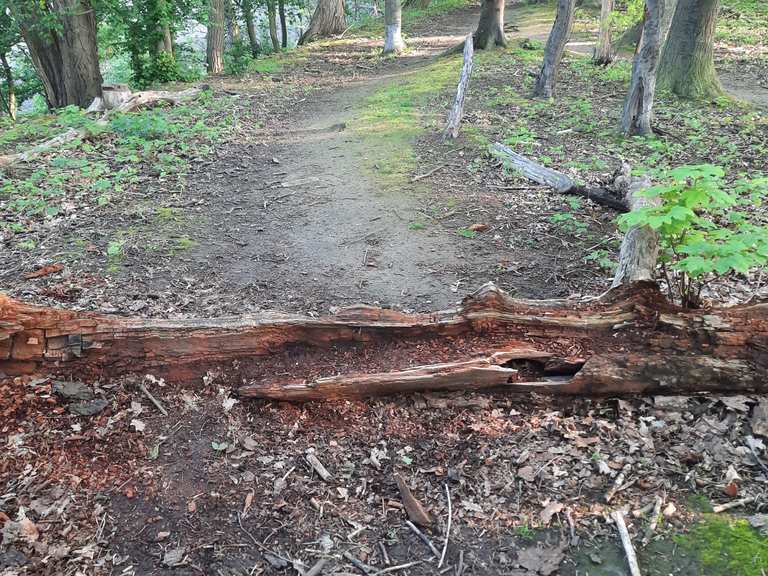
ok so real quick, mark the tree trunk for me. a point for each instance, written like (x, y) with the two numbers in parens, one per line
(553, 53)
(65, 55)
(638, 107)
(250, 27)
(327, 20)
(630, 38)
(687, 65)
(604, 51)
(10, 101)
(457, 112)
(272, 16)
(393, 39)
(215, 45)
(629, 341)
(165, 42)
(490, 28)
(283, 23)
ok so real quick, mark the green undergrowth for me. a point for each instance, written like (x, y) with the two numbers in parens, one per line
(726, 546)
(743, 22)
(112, 166)
(411, 15)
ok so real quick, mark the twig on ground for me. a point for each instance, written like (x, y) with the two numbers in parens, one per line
(317, 568)
(423, 537)
(384, 554)
(448, 528)
(396, 568)
(654, 520)
(626, 542)
(318, 467)
(257, 543)
(729, 505)
(152, 399)
(364, 568)
(428, 174)
(617, 483)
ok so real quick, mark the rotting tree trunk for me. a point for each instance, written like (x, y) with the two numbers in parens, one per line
(64, 54)
(603, 54)
(393, 37)
(687, 65)
(490, 27)
(457, 112)
(10, 100)
(630, 340)
(638, 107)
(215, 41)
(553, 52)
(250, 27)
(327, 20)
(272, 18)
(283, 23)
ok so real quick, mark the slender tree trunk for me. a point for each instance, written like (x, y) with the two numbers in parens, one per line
(283, 23)
(327, 20)
(490, 27)
(393, 39)
(553, 53)
(166, 42)
(639, 104)
(603, 51)
(687, 65)
(65, 55)
(215, 46)
(272, 15)
(250, 27)
(10, 102)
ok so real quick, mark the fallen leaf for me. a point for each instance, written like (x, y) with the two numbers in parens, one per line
(478, 227)
(731, 489)
(191, 507)
(527, 473)
(162, 536)
(541, 560)
(248, 502)
(138, 425)
(44, 271)
(545, 516)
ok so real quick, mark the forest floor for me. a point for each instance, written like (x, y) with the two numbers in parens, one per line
(320, 181)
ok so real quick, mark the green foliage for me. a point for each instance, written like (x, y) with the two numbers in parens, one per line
(237, 59)
(725, 546)
(150, 125)
(703, 230)
(467, 233)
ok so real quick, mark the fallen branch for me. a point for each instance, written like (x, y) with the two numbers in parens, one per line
(626, 542)
(448, 528)
(423, 538)
(730, 505)
(560, 182)
(457, 112)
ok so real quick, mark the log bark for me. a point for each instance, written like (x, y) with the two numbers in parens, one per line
(553, 52)
(630, 340)
(603, 54)
(457, 112)
(327, 20)
(638, 106)
(560, 182)
(490, 27)
(393, 37)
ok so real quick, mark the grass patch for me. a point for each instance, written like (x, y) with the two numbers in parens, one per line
(726, 547)
(743, 22)
(375, 25)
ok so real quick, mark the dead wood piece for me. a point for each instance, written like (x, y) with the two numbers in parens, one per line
(658, 501)
(560, 182)
(416, 512)
(618, 483)
(626, 542)
(318, 467)
(457, 112)
(730, 505)
(152, 399)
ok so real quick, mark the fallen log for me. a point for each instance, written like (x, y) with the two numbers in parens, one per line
(457, 112)
(561, 183)
(630, 340)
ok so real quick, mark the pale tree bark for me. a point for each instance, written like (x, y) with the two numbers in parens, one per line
(283, 23)
(638, 107)
(490, 27)
(393, 38)
(65, 56)
(687, 65)
(165, 43)
(250, 27)
(10, 101)
(553, 53)
(631, 36)
(272, 17)
(215, 44)
(327, 20)
(604, 51)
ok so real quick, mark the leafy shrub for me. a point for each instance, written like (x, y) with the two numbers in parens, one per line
(145, 126)
(704, 231)
(237, 59)
(163, 68)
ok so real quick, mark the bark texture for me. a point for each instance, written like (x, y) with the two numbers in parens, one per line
(630, 340)
(10, 100)
(272, 19)
(457, 112)
(65, 56)
(393, 37)
(490, 27)
(638, 107)
(250, 27)
(553, 52)
(603, 54)
(283, 23)
(215, 40)
(327, 20)
(687, 65)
